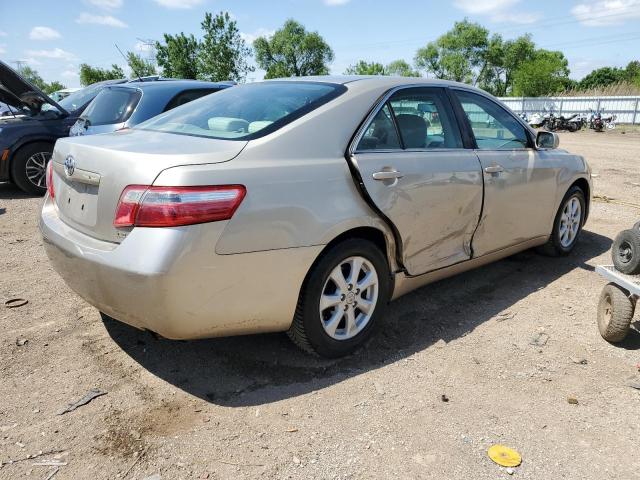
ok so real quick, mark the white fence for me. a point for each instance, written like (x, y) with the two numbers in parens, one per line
(627, 109)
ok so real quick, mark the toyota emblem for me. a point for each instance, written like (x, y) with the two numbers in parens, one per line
(69, 165)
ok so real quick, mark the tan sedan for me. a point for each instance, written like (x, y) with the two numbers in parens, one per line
(303, 205)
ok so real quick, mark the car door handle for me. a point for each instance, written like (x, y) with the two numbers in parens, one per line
(494, 169)
(387, 175)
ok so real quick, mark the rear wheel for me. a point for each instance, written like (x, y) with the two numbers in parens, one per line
(29, 166)
(567, 224)
(626, 252)
(615, 312)
(342, 299)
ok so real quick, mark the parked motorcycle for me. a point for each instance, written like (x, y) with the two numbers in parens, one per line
(609, 122)
(553, 122)
(595, 120)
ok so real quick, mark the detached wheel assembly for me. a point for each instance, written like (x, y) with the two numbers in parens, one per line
(626, 251)
(615, 312)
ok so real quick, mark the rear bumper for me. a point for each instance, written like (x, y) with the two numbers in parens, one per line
(171, 281)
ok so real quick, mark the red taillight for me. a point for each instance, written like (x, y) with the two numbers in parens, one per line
(148, 206)
(50, 178)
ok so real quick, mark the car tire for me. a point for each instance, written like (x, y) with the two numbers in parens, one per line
(329, 320)
(558, 244)
(615, 312)
(626, 252)
(29, 165)
(636, 226)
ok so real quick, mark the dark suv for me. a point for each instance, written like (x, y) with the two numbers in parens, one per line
(32, 125)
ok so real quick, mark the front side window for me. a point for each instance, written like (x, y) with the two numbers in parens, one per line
(423, 118)
(246, 111)
(493, 127)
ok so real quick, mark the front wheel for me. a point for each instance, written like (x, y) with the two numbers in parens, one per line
(342, 299)
(29, 166)
(567, 224)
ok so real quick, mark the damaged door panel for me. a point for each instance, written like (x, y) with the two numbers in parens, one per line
(415, 170)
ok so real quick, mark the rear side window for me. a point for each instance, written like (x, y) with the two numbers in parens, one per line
(493, 127)
(246, 111)
(112, 105)
(422, 116)
(381, 133)
(187, 96)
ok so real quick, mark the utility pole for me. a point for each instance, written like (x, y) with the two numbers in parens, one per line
(150, 46)
(19, 64)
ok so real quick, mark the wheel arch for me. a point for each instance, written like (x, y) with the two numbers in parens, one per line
(384, 241)
(25, 142)
(583, 184)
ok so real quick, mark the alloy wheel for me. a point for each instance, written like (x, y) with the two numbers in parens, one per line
(570, 221)
(36, 167)
(349, 298)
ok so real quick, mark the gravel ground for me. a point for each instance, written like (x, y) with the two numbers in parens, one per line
(507, 345)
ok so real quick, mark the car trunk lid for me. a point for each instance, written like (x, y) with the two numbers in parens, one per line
(90, 173)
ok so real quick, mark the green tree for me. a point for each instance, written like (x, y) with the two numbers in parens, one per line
(632, 72)
(459, 54)
(397, 67)
(33, 77)
(502, 60)
(292, 51)
(601, 77)
(366, 68)
(89, 74)
(54, 87)
(178, 56)
(401, 68)
(139, 66)
(547, 73)
(223, 52)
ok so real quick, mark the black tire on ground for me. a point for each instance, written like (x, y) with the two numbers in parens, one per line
(615, 312)
(307, 330)
(19, 166)
(554, 247)
(626, 252)
(637, 226)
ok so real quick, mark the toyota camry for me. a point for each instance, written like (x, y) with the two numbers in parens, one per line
(303, 205)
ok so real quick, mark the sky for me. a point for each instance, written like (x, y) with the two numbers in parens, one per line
(55, 37)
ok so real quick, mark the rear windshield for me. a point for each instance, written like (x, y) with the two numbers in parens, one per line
(246, 111)
(112, 105)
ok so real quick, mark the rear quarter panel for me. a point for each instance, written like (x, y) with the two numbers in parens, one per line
(299, 188)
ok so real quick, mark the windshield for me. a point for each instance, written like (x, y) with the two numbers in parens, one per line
(77, 99)
(80, 98)
(112, 105)
(246, 111)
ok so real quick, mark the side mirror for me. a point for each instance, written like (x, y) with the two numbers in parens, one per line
(547, 140)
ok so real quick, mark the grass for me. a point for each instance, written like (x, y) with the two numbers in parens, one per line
(616, 89)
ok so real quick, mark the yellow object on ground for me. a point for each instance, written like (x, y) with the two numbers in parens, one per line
(505, 456)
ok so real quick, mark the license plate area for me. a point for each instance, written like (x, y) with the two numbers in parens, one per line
(78, 202)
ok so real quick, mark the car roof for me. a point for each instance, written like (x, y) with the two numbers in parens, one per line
(377, 80)
(173, 84)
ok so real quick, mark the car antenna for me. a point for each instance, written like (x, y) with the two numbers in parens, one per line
(125, 59)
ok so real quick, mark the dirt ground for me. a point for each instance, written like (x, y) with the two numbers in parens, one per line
(507, 345)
